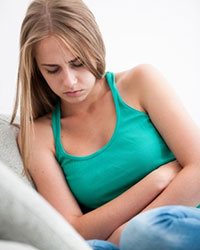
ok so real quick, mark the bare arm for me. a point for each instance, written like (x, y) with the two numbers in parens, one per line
(169, 196)
(101, 222)
(180, 133)
(177, 129)
(113, 214)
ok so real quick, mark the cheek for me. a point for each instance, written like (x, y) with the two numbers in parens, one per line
(91, 79)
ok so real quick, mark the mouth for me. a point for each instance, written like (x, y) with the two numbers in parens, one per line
(73, 93)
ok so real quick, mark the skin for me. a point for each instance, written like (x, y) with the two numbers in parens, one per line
(64, 74)
(142, 88)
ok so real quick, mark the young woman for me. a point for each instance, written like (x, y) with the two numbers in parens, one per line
(104, 147)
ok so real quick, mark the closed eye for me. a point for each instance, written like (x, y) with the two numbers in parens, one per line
(53, 71)
(77, 63)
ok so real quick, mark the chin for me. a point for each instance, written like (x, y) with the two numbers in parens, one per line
(74, 100)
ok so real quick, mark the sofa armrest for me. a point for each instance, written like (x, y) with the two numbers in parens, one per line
(9, 152)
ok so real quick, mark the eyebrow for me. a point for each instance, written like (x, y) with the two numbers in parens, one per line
(55, 65)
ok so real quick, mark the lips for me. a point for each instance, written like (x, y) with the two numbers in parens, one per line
(73, 93)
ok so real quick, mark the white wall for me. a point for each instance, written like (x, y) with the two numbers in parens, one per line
(11, 15)
(163, 33)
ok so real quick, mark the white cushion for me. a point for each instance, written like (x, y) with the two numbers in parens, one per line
(9, 153)
(26, 217)
(8, 245)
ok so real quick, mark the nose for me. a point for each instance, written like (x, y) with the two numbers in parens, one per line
(69, 78)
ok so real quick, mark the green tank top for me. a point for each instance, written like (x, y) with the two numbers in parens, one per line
(134, 150)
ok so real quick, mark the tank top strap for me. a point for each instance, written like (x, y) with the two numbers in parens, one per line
(112, 84)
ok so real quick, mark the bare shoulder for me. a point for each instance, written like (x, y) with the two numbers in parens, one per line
(137, 75)
(138, 83)
(43, 132)
(41, 149)
(43, 123)
(42, 136)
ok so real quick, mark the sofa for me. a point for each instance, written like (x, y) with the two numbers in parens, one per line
(27, 220)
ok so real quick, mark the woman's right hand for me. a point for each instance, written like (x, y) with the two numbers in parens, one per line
(166, 173)
(163, 175)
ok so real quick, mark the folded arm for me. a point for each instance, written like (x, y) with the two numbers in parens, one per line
(178, 130)
(101, 222)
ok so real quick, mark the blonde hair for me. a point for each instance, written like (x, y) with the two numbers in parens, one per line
(73, 23)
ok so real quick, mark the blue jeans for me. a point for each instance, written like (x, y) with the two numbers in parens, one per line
(169, 227)
(102, 245)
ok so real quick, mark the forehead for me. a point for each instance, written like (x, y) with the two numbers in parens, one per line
(51, 49)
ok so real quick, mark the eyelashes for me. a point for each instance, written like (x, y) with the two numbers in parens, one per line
(74, 65)
(77, 65)
(52, 71)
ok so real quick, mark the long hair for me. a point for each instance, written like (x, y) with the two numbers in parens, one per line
(73, 23)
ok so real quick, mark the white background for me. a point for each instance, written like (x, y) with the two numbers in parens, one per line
(164, 33)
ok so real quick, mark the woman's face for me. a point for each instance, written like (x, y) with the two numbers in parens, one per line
(64, 73)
